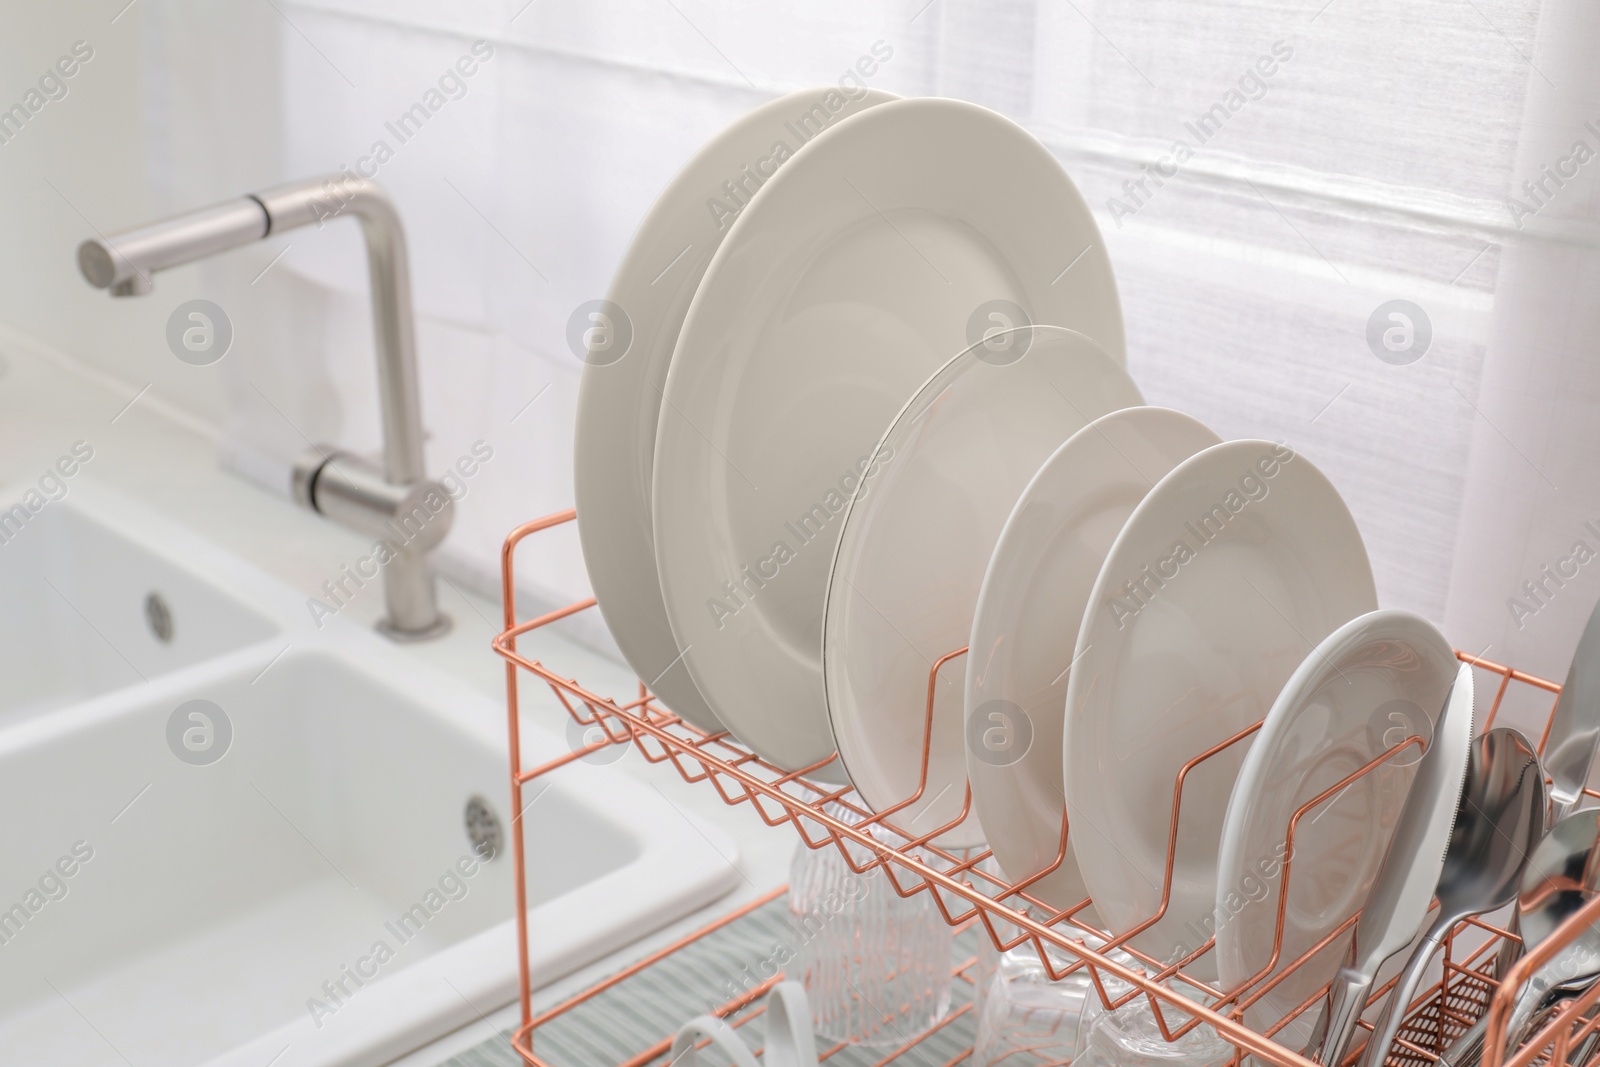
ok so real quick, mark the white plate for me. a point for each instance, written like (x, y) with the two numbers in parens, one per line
(914, 547)
(619, 397)
(1026, 624)
(853, 275)
(1226, 575)
(1372, 683)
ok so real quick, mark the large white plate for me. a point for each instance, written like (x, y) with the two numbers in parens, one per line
(1026, 624)
(913, 551)
(1372, 683)
(854, 274)
(619, 396)
(1226, 575)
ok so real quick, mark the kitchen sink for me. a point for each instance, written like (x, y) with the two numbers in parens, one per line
(285, 846)
(91, 608)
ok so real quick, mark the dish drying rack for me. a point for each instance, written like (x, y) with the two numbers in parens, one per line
(1009, 914)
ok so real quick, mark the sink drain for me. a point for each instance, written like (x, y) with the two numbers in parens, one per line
(483, 828)
(158, 617)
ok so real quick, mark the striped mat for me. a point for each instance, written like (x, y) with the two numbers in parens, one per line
(643, 1009)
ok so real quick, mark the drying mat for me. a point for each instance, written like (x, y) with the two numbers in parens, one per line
(651, 1005)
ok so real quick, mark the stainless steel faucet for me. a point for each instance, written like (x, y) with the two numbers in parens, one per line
(396, 503)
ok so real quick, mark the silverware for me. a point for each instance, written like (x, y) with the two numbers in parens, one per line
(1569, 749)
(1574, 737)
(1500, 820)
(1582, 1055)
(1398, 900)
(1538, 1011)
(1562, 875)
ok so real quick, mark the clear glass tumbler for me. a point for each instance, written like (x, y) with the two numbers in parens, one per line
(986, 958)
(1131, 1037)
(1026, 1019)
(875, 965)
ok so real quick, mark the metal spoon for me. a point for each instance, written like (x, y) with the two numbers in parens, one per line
(1500, 820)
(1562, 875)
(1570, 747)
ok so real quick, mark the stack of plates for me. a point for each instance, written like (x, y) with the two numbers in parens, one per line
(881, 415)
(717, 454)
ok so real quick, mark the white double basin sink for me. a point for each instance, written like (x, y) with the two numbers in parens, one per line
(230, 838)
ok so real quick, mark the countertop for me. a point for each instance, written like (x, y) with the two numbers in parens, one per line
(170, 462)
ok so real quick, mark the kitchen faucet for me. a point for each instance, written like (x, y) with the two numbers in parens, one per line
(396, 502)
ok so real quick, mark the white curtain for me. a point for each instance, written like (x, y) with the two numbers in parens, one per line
(1267, 178)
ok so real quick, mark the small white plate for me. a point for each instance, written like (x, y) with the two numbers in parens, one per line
(627, 348)
(1372, 683)
(1026, 624)
(857, 271)
(1226, 575)
(916, 542)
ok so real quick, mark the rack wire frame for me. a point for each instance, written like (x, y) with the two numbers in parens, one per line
(965, 892)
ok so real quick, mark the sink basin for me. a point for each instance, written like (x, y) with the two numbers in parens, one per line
(306, 873)
(90, 608)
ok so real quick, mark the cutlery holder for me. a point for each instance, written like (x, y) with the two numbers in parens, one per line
(968, 892)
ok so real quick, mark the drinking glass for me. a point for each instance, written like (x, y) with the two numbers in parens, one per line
(1131, 1036)
(1026, 1019)
(875, 965)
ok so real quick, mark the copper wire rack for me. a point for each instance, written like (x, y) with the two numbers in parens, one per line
(967, 891)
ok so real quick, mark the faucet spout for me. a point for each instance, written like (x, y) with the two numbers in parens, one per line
(125, 264)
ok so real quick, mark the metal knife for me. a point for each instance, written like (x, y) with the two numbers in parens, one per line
(1569, 749)
(1398, 901)
(1574, 737)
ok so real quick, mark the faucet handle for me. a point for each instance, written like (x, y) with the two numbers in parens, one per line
(354, 492)
(406, 521)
